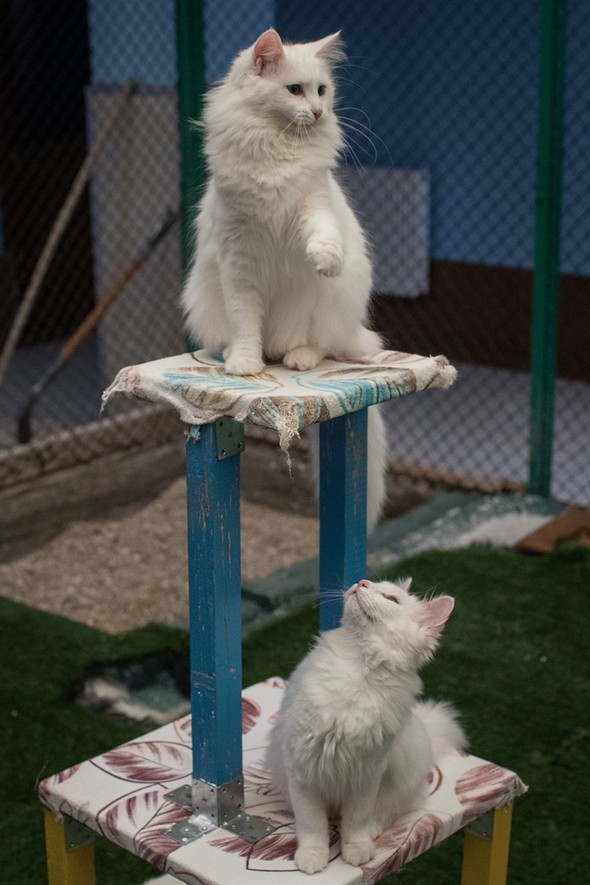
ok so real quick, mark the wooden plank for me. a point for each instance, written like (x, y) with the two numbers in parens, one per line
(571, 525)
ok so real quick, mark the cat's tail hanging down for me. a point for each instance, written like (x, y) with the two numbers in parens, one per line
(376, 464)
(441, 721)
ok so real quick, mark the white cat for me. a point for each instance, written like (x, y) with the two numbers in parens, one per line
(281, 269)
(351, 738)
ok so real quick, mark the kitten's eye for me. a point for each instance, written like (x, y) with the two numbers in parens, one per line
(295, 89)
(390, 597)
(321, 90)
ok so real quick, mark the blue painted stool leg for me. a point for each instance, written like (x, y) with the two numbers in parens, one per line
(343, 510)
(213, 502)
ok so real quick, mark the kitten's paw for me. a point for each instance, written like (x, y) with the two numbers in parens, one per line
(311, 858)
(240, 364)
(326, 256)
(357, 853)
(302, 358)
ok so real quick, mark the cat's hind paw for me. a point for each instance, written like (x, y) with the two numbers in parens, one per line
(302, 358)
(326, 256)
(357, 853)
(311, 858)
(241, 364)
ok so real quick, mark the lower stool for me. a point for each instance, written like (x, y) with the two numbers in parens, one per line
(132, 795)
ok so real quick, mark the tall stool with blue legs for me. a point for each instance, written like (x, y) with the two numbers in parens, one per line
(193, 797)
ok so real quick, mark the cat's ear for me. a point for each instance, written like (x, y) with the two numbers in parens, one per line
(435, 613)
(331, 49)
(268, 51)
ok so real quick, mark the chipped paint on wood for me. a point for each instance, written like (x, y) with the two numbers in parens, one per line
(214, 608)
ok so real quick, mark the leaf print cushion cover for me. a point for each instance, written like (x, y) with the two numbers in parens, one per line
(121, 795)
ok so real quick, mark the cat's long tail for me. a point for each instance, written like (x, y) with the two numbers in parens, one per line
(376, 464)
(441, 721)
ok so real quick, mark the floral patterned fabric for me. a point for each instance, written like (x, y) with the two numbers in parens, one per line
(121, 795)
(196, 385)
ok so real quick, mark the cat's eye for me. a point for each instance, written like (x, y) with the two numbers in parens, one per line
(295, 89)
(321, 90)
(391, 597)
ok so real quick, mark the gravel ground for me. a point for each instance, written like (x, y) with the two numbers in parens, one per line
(123, 566)
(70, 545)
(130, 569)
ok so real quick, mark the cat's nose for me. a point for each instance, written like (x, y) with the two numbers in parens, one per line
(317, 112)
(363, 583)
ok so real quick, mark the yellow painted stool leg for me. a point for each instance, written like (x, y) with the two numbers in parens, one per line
(485, 859)
(74, 867)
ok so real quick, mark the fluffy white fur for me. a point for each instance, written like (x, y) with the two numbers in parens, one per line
(351, 738)
(281, 269)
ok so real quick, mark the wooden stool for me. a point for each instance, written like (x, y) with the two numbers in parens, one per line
(195, 801)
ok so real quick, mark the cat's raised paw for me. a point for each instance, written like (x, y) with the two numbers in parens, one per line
(311, 858)
(357, 853)
(326, 256)
(240, 364)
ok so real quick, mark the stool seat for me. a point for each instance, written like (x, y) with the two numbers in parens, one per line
(124, 796)
(196, 385)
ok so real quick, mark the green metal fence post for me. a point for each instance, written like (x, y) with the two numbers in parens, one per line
(547, 236)
(190, 62)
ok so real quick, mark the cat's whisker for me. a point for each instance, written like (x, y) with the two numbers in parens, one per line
(364, 130)
(352, 125)
(353, 154)
(358, 111)
(349, 142)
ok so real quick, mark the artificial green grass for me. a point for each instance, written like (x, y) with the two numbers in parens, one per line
(514, 659)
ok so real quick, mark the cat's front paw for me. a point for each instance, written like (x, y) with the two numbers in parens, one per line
(311, 858)
(357, 853)
(242, 364)
(326, 256)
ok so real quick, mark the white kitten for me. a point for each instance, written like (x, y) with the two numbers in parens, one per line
(351, 738)
(281, 269)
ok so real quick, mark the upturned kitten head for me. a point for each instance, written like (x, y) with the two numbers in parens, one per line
(393, 625)
(286, 87)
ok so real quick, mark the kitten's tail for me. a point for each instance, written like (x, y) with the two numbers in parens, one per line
(441, 721)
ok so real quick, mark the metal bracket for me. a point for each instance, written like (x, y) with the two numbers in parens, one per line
(215, 806)
(482, 826)
(229, 438)
(76, 834)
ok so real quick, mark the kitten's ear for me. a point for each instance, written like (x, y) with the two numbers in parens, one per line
(435, 613)
(331, 49)
(268, 51)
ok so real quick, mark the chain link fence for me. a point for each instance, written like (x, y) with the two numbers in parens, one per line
(439, 102)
